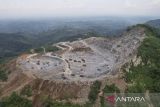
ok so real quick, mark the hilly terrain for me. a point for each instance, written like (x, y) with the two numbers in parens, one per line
(17, 36)
(13, 44)
(154, 23)
(73, 74)
(78, 70)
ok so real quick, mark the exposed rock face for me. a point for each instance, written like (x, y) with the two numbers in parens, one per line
(68, 73)
(83, 60)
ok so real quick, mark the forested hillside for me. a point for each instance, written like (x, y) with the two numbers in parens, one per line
(20, 35)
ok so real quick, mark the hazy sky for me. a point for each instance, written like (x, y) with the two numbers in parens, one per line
(51, 8)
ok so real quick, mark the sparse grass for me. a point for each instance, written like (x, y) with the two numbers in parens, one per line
(51, 48)
(48, 48)
(4, 71)
(50, 103)
(3, 75)
(26, 91)
(16, 101)
(111, 89)
(95, 88)
(39, 50)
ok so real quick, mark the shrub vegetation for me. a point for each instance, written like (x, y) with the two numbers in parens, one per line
(146, 75)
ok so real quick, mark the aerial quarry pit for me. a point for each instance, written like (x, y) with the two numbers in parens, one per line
(68, 73)
(83, 60)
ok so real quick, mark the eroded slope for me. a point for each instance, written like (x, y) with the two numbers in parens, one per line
(83, 60)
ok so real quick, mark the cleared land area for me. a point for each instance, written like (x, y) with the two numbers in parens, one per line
(83, 60)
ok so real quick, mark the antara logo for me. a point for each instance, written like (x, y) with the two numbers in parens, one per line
(112, 99)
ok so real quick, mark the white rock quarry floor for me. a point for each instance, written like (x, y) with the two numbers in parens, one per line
(83, 60)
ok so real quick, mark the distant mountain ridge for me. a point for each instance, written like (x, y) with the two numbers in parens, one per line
(154, 23)
(19, 35)
(13, 44)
